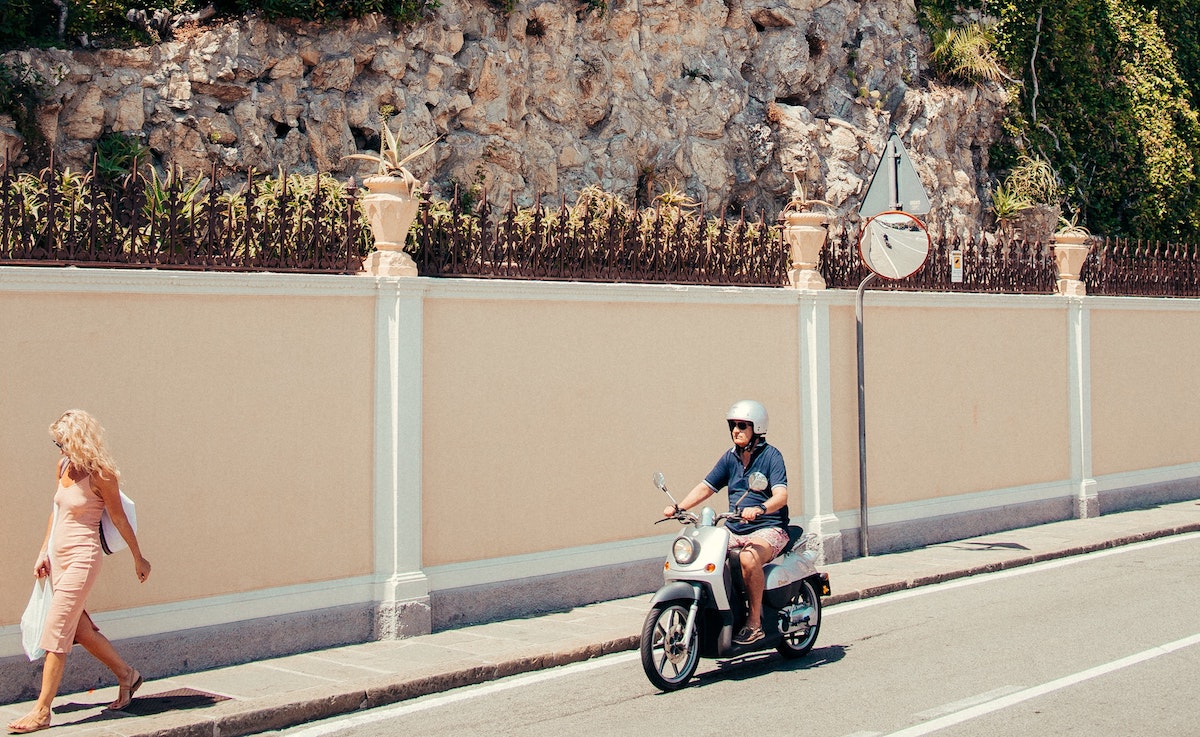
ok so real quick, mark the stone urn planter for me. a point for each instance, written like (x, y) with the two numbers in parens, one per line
(1070, 251)
(805, 233)
(390, 206)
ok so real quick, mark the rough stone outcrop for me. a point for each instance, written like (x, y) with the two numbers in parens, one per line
(719, 98)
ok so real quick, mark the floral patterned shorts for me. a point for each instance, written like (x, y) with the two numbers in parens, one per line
(774, 538)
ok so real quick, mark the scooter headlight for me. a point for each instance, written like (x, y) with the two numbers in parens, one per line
(684, 550)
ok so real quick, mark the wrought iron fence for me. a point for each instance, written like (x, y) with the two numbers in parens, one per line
(609, 243)
(60, 217)
(1001, 266)
(291, 223)
(1119, 266)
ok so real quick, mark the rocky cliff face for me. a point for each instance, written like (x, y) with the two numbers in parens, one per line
(720, 98)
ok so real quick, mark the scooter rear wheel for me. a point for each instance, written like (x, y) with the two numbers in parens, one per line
(797, 643)
(669, 662)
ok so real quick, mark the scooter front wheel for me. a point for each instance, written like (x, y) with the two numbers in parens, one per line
(668, 660)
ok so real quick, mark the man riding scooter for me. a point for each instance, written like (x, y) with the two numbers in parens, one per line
(760, 534)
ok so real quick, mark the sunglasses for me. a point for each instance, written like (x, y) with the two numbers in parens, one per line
(739, 425)
(58, 445)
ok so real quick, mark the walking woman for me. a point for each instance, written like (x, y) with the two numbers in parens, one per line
(71, 555)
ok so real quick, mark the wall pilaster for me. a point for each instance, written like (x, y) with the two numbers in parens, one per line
(402, 587)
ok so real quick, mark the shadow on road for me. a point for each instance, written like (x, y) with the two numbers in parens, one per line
(757, 664)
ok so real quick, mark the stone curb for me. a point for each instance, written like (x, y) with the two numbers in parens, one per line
(1010, 563)
(291, 711)
(295, 712)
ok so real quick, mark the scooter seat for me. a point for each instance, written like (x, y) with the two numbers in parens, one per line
(795, 533)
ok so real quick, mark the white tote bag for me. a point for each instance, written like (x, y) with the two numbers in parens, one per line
(33, 621)
(110, 536)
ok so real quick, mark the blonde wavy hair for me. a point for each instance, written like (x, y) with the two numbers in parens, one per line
(82, 440)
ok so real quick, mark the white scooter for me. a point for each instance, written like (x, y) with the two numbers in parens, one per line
(703, 603)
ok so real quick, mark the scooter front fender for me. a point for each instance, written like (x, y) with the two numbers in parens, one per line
(676, 590)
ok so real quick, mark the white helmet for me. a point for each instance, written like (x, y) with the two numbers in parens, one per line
(750, 411)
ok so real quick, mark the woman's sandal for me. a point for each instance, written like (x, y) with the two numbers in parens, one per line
(18, 728)
(125, 693)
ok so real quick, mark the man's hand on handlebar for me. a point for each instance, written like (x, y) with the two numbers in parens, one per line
(749, 514)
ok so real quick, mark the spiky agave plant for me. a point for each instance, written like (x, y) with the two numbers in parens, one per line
(1071, 227)
(391, 163)
(799, 202)
(1008, 202)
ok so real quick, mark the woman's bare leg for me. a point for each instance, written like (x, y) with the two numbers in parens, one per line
(39, 716)
(100, 647)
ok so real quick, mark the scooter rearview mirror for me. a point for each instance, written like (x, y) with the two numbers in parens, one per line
(757, 481)
(661, 482)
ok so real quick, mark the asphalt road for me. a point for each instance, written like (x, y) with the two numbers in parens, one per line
(1103, 644)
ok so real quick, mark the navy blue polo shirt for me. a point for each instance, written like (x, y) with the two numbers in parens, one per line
(728, 472)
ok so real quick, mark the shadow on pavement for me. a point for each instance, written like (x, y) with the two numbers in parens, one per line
(983, 545)
(144, 706)
(177, 700)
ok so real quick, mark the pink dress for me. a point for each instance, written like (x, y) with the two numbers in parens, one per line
(75, 556)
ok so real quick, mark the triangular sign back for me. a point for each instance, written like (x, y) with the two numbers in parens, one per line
(895, 185)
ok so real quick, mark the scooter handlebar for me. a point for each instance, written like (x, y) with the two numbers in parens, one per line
(685, 517)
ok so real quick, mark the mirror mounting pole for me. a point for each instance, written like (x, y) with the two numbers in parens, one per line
(863, 546)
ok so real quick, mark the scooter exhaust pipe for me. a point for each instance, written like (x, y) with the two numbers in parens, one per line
(795, 617)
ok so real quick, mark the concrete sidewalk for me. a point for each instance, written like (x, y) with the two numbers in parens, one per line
(283, 692)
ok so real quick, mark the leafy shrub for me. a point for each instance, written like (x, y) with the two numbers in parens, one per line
(149, 216)
(965, 54)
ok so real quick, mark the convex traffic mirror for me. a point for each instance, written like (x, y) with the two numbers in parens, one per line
(894, 244)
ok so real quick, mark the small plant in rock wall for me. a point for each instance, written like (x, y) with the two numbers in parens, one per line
(119, 154)
(1030, 183)
(965, 54)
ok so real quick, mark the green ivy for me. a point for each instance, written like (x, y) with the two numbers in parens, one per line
(1107, 93)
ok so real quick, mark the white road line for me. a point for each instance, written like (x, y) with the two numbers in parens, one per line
(957, 583)
(340, 724)
(1031, 693)
(337, 724)
(964, 703)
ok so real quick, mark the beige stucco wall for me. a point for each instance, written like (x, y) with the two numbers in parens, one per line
(246, 414)
(1145, 401)
(960, 398)
(545, 418)
(242, 425)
